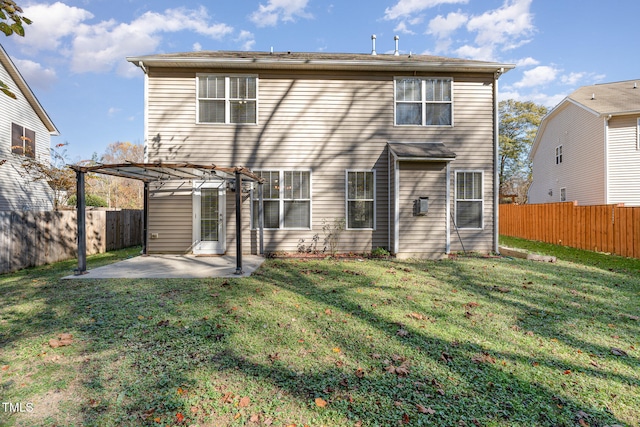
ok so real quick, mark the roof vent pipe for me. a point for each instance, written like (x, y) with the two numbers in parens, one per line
(593, 96)
(635, 85)
(373, 44)
(397, 52)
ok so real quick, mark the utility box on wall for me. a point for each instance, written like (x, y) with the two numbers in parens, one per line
(421, 206)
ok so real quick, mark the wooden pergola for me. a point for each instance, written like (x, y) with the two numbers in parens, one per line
(162, 172)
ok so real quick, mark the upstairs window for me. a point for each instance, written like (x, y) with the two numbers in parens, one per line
(558, 154)
(23, 141)
(424, 101)
(227, 99)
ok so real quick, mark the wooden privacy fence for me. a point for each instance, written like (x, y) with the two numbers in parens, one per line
(605, 228)
(29, 238)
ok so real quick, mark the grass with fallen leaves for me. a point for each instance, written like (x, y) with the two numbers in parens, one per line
(463, 342)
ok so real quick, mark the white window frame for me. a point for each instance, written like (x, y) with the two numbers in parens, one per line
(227, 98)
(282, 199)
(347, 199)
(638, 135)
(563, 194)
(559, 156)
(423, 100)
(481, 199)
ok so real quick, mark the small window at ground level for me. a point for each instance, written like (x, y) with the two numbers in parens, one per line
(361, 195)
(286, 200)
(23, 141)
(563, 194)
(469, 199)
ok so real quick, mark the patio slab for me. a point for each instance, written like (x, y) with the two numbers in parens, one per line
(173, 267)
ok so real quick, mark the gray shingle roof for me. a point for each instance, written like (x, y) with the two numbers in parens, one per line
(609, 98)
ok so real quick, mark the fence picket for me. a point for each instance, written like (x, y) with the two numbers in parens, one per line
(605, 228)
(29, 239)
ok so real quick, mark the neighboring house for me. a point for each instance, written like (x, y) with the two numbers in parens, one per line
(397, 146)
(25, 132)
(587, 148)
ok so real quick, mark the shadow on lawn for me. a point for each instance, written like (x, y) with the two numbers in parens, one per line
(156, 329)
(529, 402)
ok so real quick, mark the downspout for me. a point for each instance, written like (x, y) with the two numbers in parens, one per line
(389, 198)
(81, 224)
(496, 177)
(396, 202)
(606, 160)
(146, 109)
(448, 211)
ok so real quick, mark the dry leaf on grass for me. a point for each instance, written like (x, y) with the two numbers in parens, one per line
(424, 410)
(320, 402)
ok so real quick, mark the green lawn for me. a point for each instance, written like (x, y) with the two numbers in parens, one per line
(463, 342)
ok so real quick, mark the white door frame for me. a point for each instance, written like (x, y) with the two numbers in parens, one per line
(209, 247)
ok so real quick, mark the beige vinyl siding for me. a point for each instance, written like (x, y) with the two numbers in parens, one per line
(170, 218)
(582, 172)
(18, 191)
(422, 236)
(325, 123)
(623, 159)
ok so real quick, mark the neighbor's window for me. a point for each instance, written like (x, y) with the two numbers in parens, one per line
(286, 199)
(558, 154)
(563, 194)
(469, 199)
(23, 141)
(227, 99)
(424, 102)
(361, 196)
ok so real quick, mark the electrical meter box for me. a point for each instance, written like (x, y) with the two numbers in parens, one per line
(421, 206)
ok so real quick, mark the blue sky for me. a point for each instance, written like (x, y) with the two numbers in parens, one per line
(73, 55)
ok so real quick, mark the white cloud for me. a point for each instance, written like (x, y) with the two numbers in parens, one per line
(113, 111)
(441, 26)
(402, 28)
(103, 46)
(247, 39)
(406, 8)
(279, 10)
(51, 23)
(527, 62)
(503, 25)
(197, 47)
(547, 100)
(537, 76)
(482, 53)
(35, 74)
(572, 78)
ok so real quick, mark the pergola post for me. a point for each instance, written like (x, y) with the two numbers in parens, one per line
(261, 216)
(238, 223)
(145, 219)
(81, 224)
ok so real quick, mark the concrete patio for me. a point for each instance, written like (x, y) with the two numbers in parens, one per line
(173, 267)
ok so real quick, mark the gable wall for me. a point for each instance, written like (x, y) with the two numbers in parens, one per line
(18, 191)
(623, 159)
(581, 172)
(323, 123)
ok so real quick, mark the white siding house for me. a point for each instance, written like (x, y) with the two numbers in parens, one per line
(587, 148)
(25, 131)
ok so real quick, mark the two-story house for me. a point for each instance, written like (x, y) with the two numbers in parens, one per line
(25, 132)
(401, 148)
(587, 148)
